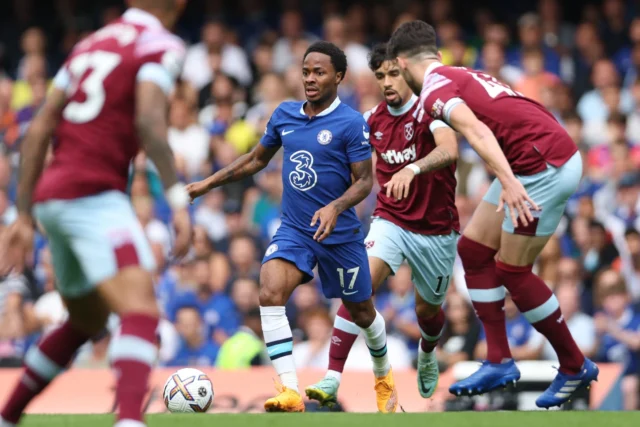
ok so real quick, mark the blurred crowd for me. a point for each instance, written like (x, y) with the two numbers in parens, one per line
(585, 71)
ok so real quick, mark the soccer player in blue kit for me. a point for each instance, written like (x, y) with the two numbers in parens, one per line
(325, 142)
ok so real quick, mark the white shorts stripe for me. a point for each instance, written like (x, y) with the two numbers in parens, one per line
(39, 363)
(129, 347)
(346, 326)
(487, 295)
(543, 311)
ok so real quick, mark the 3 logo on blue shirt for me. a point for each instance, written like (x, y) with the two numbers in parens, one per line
(303, 178)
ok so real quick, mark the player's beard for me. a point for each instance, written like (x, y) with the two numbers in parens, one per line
(397, 102)
(411, 82)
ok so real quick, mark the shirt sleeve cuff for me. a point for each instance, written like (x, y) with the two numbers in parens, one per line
(449, 106)
(156, 73)
(437, 124)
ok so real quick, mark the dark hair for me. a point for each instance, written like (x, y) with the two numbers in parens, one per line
(412, 38)
(617, 118)
(338, 58)
(631, 231)
(378, 55)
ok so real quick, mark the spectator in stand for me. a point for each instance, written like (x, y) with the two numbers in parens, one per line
(535, 79)
(196, 348)
(243, 254)
(233, 60)
(492, 62)
(556, 33)
(614, 30)
(14, 292)
(629, 263)
(618, 332)
(35, 70)
(592, 106)
(188, 139)
(453, 50)
(460, 334)
(314, 351)
(530, 35)
(291, 31)
(244, 293)
(8, 131)
(33, 42)
(633, 121)
(627, 59)
(218, 312)
(336, 32)
(246, 347)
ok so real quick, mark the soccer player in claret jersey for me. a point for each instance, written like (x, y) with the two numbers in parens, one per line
(324, 142)
(547, 166)
(418, 224)
(110, 93)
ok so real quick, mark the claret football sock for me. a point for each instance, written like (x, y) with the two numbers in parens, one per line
(344, 334)
(540, 307)
(376, 338)
(42, 364)
(279, 341)
(431, 330)
(133, 355)
(487, 296)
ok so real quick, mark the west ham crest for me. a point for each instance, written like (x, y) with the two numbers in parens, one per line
(408, 131)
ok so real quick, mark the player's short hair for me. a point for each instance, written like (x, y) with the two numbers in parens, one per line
(413, 38)
(338, 58)
(378, 55)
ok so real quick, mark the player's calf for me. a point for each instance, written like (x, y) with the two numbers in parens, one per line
(487, 295)
(42, 364)
(431, 321)
(540, 307)
(130, 294)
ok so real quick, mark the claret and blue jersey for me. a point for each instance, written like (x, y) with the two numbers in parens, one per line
(318, 153)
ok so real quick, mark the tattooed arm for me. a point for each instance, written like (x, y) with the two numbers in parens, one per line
(246, 165)
(445, 154)
(357, 192)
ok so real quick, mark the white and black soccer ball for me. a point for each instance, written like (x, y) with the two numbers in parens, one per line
(187, 391)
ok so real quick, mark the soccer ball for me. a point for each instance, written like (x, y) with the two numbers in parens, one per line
(188, 390)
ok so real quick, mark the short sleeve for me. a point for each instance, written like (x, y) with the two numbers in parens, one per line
(161, 56)
(439, 96)
(357, 140)
(271, 138)
(62, 79)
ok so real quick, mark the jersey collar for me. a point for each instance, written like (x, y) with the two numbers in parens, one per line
(141, 17)
(406, 107)
(432, 67)
(325, 112)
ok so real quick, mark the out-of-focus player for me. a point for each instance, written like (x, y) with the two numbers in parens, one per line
(109, 100)
(496, 119)
(324, 142)
(418, 224)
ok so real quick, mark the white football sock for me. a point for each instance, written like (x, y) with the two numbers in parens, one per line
(376, 338)
(279, 340)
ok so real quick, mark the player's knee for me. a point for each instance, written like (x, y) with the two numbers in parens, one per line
(427, 311)
(474, 255)
(271, 295)
(131, 291)
(362, 314)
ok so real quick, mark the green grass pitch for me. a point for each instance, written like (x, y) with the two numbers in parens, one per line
(457, 419)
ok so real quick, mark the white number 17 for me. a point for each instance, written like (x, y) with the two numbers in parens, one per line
(354, 271)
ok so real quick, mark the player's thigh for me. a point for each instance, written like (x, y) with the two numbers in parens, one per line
(485, 225)
(551, 190)
(287, 263)
(431, 259)
(88, 313)
(110, 245)
(344, 271)
(385, 255)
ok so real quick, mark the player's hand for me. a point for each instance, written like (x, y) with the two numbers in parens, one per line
(16, 243)
(197, 189)
(328, 217)
(400, 183)
(520, 204)
(182, 226)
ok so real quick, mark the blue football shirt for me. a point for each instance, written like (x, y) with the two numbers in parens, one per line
(318, 152)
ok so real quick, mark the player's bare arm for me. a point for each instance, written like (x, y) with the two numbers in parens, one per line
(152, 127)
(485, 144)
(445, 154)
(359, 190)
(17, 240)
(246, 165)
